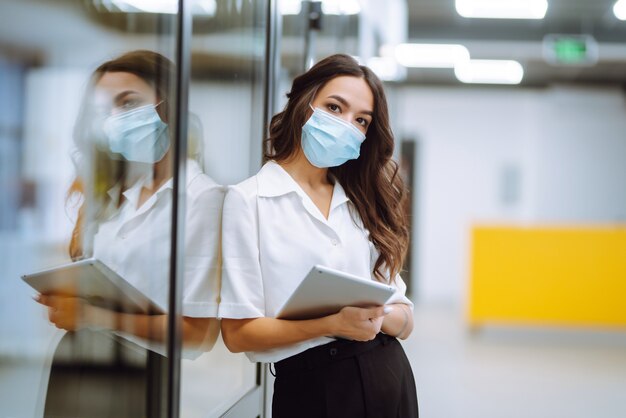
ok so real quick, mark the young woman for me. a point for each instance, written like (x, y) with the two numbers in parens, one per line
(124, 179)
(328, 194)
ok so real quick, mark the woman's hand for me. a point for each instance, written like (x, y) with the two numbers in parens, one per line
(399, 322)
(359, 324)
(71, 314)
(65, 312)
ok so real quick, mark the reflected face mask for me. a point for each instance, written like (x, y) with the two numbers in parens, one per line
(329, 141)
(138, 135)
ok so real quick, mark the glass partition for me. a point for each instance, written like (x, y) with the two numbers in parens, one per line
(226, 93)
(86, 137)
(79, 194)
(88, 132)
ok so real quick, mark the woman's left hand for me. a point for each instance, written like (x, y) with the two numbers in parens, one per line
(65, 312)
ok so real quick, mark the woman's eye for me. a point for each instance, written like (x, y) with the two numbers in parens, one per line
(129, 104)
(333, 108)
(362, 122)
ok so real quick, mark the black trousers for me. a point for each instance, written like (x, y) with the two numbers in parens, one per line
(346, 379)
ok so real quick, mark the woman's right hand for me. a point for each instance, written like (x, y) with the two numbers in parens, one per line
(359, 324)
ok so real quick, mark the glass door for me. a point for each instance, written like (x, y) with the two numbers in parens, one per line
(121, 124)
(87, 141)
(227, 108)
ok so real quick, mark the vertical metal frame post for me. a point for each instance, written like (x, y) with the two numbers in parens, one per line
(273, 32)
(313, 13)
(174, 322)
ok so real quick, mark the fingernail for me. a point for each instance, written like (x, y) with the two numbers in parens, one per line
(35, 297)
(387, 309)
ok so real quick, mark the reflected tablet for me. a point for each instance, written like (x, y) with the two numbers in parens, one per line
(93, 281)
(324, 291)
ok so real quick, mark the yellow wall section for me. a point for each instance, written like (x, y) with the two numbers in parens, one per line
(555, 275)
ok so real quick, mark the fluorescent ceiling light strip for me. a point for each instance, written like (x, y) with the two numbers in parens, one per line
(341, 7)
(198, 7)
(489, 72)
(290, 7)
(329, 7)
(386, 68)
(148, 6)
(620, 9)
(429, 55)
(502, 9)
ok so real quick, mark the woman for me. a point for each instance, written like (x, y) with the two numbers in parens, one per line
(124, 129)
(328, 194)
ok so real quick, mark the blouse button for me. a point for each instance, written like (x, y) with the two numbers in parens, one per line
(334, 242)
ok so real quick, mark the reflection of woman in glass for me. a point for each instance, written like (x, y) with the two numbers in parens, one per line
(331, 195)
(124, 153)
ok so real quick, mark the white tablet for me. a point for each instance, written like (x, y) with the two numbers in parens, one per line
(93, 281)
(324, 291)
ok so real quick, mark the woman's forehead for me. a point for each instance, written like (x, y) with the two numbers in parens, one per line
(121, 80)
(354, 90)
(112, 84)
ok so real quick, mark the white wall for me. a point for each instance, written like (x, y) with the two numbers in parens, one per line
(580, 156)
(51, 101)
(564, 146)
(227, 134)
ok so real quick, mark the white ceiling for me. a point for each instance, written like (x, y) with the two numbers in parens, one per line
(66, 31)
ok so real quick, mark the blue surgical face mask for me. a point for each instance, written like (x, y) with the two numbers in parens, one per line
(138, 135)
(329, 141)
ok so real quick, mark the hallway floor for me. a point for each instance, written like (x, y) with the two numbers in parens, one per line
(499, 372)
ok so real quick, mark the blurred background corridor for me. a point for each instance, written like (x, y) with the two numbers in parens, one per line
(510, 127)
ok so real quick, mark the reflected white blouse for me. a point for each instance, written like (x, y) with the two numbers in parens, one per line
(135, 242)
(272, 234)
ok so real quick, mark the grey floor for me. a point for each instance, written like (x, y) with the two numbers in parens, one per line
(497, 372)
(509, 372)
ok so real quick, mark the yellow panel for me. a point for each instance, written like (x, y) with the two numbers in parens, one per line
(548, 275)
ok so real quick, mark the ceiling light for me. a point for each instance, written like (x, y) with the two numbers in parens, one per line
(502, 9)
(341, 7)
(489, 72)
(290, 7)
(386, 68)
(198, 7)
(329, 7)
(427, 55)
(620, 9)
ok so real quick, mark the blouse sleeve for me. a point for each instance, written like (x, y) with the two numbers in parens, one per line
(242, 294)
(202, 252)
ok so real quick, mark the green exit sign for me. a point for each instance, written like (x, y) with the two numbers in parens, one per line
(570, 49)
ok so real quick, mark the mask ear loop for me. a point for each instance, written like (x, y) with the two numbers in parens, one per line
(313, 98)
(165, 111)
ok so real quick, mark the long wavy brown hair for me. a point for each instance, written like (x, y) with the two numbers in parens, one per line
(372, 181)
(103, 171)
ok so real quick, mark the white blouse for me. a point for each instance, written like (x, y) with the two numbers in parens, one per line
(135, 242)
(272, 234)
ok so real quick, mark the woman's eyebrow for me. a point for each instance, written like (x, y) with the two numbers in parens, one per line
(339, 99)
(346, 104)
(123, 94)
